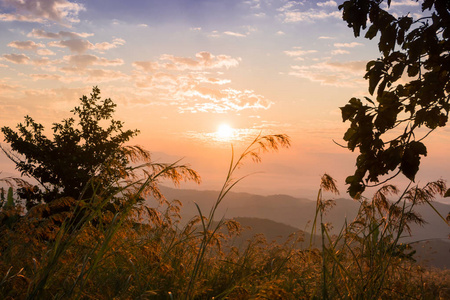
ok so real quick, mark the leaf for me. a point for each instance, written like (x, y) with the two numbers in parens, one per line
(372, 32)
(369, 100)
(413, 70)
(349, 134)
(374, 74)
(411, 159)
(447, 193)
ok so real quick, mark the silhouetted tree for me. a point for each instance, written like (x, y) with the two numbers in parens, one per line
(87, 154)
(416, 50)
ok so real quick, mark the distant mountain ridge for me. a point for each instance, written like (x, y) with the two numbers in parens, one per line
(277, 216)
(297, 212)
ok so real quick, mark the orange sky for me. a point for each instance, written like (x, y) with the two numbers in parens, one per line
(179, 69)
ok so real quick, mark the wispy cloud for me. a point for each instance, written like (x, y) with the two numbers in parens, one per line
(298, 52)
(203, 60)
(330, 3)
(42, 34)
(187, 83)
(25, 45)
(46, 77)
(84, 60)
(59, 11)
(75, 45)
(220, 101)
(293, 12)
(22, 59)
(347, 45)
(82, 45)
(342, 74)
(404, 3)
(339, 52)
(31, 46)
(234, 34)
(16, 58)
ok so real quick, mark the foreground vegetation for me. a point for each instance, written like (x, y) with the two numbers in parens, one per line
(85, 232)
(139, 252)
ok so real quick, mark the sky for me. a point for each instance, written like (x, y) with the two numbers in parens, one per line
(179, 70)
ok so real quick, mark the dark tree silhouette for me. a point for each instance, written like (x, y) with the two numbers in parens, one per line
(386, 129)
(87, 154)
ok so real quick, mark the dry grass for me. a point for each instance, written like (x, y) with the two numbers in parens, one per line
(106, 255)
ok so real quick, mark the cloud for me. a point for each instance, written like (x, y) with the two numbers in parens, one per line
(106, 45)
(404, 3)
(298, 52)
(25, 45)
(12, 17)
(4, 87)
(42, 34)
(203, 61)
(102, 75)
(280, 33)
(75, 45)
(330, 3)
(24, 59)
(31, 46)
(45, 52)
(84, 60)
(42, 61)
(147, 66)
(81, 45)
(187, 83)
(326, 38)
(347, 45)
(236, 34)
(339, 51)
(73, 74)
(45, 77)
(17, 58)
(60, 11)
(308, 16)
(220, 101)
(292, 12)
(341, 74)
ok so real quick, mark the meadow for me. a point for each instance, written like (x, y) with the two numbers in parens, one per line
(81, 249)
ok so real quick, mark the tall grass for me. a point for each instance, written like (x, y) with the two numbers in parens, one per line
(138, 252)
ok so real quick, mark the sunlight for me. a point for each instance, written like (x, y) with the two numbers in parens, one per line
(224, 132)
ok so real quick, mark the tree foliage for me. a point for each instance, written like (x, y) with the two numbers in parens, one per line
(87, 153)
(410, 83)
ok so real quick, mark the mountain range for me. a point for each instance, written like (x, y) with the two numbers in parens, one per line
(277, 216)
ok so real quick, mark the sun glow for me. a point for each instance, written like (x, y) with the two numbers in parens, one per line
(224, 132)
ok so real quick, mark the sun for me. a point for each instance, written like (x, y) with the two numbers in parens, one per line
(224, 132)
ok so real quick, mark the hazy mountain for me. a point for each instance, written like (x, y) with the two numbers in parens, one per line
(434, 253)
(273, 231)
(297, 212)
(277, 216)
